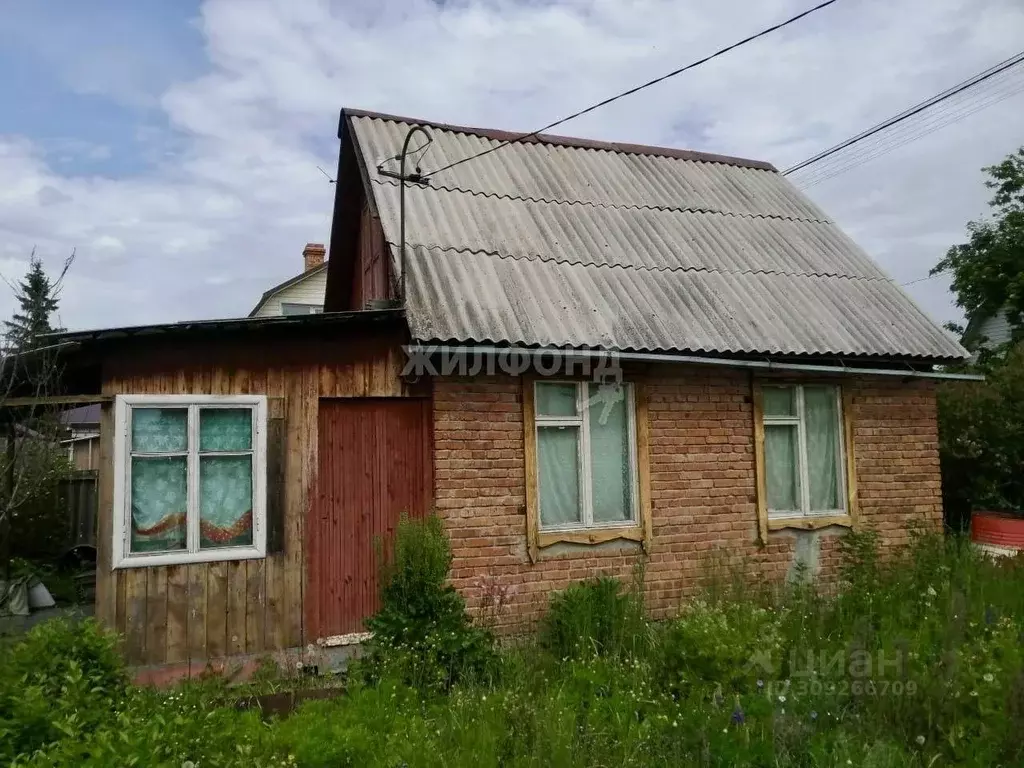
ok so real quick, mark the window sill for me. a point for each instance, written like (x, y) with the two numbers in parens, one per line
(809, 523)
(210, 556)
(590, 536)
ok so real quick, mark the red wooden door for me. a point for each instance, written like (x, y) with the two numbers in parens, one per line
(375, 462)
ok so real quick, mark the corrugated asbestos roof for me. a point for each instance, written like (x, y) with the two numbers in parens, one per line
(645, 249)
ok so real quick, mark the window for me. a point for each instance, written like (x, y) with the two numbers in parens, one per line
(804, 452)
(586, 457)
(189, 479)
(288, 308)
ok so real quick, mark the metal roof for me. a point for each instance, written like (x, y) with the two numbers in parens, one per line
(636, 248)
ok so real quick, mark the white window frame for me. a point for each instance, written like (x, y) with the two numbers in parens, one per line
(582, 423)
(311, 309)
(798, 420)
(123, 406)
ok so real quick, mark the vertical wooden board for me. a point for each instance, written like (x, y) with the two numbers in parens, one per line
(757, 398)
(197, 582)
(216, 610)
(106, 578)
(274, 627)
(135, 604)
(255, 605)
(851, 459)
(530, 457)
(300, 431)
(156, 615)
(643, 465)
(177, 613)
(238, 589)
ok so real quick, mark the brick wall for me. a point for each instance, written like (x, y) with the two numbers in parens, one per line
(704, 516)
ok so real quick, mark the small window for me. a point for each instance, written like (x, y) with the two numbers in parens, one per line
(289, 308)
(803, 451)
(189, 479)
(586, 457)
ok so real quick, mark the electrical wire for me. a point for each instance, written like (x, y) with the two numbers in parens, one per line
(911, 111)
(635, 89)
(877, 150)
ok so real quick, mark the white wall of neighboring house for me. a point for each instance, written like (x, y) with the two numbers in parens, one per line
(308, 291)
(995, 330)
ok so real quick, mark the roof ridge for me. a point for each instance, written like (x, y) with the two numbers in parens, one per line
(608, 206)
(499, 135)
(581, 263)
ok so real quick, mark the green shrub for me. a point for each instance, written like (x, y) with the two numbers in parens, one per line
(727, 645)
(595, 618)
(422, 633)
(63, 678)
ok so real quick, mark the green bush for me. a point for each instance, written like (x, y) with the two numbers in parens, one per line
(63, 678)
(422, 632)
(595, 618)
(725, 645)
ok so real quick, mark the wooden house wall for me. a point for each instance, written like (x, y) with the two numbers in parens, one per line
(370, 272)
(187, 613)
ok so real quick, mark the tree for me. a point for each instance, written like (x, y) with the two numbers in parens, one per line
(38, 298)
(32, 460)
(988, 270)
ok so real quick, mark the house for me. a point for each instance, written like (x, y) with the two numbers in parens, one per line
(988, 330)
(302, 294)
(83, 435)
(603, 353)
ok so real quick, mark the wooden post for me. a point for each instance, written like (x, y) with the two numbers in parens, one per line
(6, 527)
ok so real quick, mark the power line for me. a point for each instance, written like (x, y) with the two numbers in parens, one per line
(965, 104)
(908, 113)
(922, 279)
(641, 87)
(877, 150)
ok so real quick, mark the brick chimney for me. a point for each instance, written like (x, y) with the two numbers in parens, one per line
(313, 255)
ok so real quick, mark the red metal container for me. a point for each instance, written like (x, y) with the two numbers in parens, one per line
(998, 530)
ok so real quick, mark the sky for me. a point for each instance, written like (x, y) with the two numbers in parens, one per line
(174, 145)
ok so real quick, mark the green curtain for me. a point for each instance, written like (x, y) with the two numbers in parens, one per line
(225, 429)
(612, 491)
(556, 400)
(778, 401)
(225, 482)
(159, 430)
(821, 426)
(159, 503)
(558, 475)
(781, 467)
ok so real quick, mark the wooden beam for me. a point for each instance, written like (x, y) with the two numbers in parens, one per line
(530, 457)
(23, 402)
(851, 460)
(643, 463)
(757, 397)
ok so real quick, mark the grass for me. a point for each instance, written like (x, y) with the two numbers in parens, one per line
(917, 660)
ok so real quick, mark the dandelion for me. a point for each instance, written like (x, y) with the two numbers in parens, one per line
(920, 741)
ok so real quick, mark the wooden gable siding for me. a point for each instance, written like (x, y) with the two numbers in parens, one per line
(370, 278)
(190, 613)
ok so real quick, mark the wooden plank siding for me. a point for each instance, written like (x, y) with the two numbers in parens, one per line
(199, 612)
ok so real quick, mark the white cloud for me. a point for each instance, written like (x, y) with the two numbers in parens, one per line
(236, 191)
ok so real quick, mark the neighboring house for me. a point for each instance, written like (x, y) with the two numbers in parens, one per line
(988, 331)
(83, 440)
(299, 295)
(757, 387)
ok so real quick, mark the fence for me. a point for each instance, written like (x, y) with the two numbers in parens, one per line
(78, 497)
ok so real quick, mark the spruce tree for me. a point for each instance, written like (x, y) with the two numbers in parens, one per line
(38, 299)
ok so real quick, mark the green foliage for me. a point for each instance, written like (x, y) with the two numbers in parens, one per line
(988, 270)
(37, 296)
(61, 679)
(723, 646)
(981, 440)
(422, 632)
(595, 618)
(929, 671)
